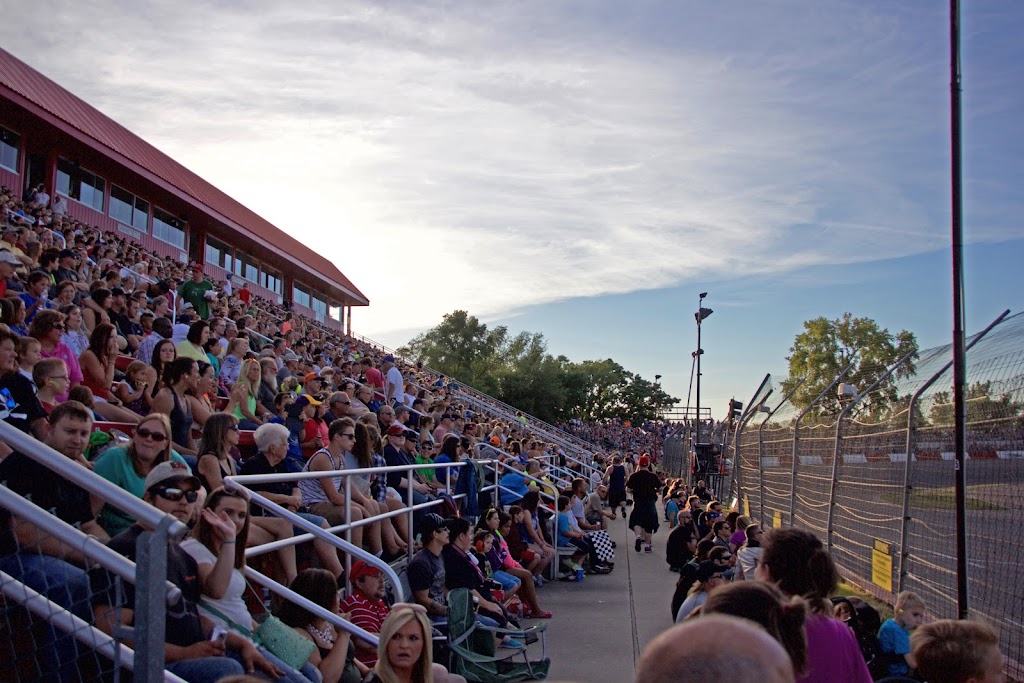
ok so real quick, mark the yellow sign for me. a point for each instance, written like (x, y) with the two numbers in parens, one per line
(777, 520)
(746, 505)
(881, 565)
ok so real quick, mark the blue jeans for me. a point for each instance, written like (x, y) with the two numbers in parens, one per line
(64, 584)
(507, 581)
(307, 674)
(205, 669)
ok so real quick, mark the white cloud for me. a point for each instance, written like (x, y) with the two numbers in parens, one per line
(488, 157)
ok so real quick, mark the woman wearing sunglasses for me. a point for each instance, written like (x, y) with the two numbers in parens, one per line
(48, 328)
(128, 466)
(220, 436)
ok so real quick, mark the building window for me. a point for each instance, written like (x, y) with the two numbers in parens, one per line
(246, 266)
(300, 295)
(168, 228)
(319, 305)
(10, 146)
(129, 209)
(219, 253)
(270, 279)
(85, 187)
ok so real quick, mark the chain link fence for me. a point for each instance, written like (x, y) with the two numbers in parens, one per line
(889, 520)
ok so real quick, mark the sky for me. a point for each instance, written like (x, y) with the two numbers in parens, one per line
(584, 169)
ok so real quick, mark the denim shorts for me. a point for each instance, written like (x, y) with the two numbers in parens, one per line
(507, 581)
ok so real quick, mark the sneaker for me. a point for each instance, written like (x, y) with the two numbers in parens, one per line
(614, 545)
(512, 644)
(639, 542)
(573, 565)
(600, 570)
(648, 549)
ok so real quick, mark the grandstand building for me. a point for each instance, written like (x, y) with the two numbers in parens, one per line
(115, 180)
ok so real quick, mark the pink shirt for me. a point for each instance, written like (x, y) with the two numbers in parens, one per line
(64, 352)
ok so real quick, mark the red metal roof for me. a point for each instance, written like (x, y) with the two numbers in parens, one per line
(109, 137)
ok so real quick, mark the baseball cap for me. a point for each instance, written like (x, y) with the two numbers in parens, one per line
(396, 430)
(495, 441)
(8, 257)
(389, 358)
(644, 461)
(431, 523)
(290, 356)
(167, 473)
(310, 376)
(361, 569)
(706, 570)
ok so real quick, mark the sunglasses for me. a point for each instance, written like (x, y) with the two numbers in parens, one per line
(350, 435)
(234, 428)
(155, 436)
(175, 495)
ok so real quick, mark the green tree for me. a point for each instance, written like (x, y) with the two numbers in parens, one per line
(826, 347)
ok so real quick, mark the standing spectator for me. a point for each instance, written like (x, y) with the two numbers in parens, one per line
(645, 486)
(58, 205)
(195, 292)
(394, 385)
(615, 477)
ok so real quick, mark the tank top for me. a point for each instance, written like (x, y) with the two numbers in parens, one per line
(311, 490)
(95, 386)
(250, 401)
(181, 420)
(617, 479)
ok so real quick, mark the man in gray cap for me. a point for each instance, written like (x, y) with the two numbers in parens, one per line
(290, 367)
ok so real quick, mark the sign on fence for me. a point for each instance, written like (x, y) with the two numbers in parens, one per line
(881, 565)
(777, 520)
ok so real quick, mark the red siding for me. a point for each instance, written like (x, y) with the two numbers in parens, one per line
(11, 180)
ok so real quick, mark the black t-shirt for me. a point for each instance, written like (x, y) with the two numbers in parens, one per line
(426, 572)
(50, 491)
(184, 627)
(258, 464)
(460, 572)
(645, 486)
(17, 388)
(395, 458)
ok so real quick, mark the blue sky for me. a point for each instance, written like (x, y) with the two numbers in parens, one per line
(584, 169)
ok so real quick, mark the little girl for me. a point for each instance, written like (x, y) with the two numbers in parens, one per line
(131, 391)
(894, 636)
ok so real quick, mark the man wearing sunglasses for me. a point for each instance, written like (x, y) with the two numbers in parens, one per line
(189, 653)
(37, 559)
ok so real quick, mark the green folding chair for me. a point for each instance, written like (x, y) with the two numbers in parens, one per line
(473, 652)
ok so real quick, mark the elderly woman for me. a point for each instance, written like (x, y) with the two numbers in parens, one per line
(127, 466)
(48, 328)
(272, 445)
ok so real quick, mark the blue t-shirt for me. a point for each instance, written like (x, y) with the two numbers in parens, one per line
(895, 639)
(516, 482)
(672, 511)
(563, 527)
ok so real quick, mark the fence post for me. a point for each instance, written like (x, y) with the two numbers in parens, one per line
(839, 436)
(907, 466)
(745, 416)
(796, 440)
(150, 622)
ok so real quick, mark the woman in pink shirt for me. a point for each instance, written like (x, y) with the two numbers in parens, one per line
(47, 327)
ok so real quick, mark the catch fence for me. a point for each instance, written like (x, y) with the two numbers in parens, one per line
(843, 472)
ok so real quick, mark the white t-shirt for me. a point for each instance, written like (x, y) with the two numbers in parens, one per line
(395, 384)
(231, 605)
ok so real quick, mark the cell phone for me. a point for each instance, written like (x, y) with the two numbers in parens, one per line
(219, 635)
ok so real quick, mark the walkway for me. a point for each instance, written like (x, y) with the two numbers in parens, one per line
(601, 626)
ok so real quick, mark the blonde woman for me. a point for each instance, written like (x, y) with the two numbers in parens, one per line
(242, 402)
(404, 650)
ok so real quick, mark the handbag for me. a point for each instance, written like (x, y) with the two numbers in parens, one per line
(283, 642)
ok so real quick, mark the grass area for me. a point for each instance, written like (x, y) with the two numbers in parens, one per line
(847, 590)
(945, 499)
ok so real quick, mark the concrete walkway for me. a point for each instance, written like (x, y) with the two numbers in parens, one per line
(601, 626)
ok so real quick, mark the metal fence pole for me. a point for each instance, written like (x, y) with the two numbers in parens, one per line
(149, 624)
(796, 441)
(911, 437)
(745, 416)
(836, 455)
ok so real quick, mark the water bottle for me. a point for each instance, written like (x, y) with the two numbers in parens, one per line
(579, 575)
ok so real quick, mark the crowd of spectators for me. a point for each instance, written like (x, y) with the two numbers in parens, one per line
(621, 435)
(208, 380)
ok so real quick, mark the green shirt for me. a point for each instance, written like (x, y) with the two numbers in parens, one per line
(193, 293)
(115, 466)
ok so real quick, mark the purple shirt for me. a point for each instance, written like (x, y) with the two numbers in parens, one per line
(832, 653)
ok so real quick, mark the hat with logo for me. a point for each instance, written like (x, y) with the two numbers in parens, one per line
(168, 473)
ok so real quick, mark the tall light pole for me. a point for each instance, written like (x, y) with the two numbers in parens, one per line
(700, 315)
(657, 397)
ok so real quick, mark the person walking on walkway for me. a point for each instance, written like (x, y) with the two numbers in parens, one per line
(615, 477)
(645, 486)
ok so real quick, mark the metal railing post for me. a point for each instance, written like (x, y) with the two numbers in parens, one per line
(149, 624)
(747, 414)
(409, 515)
(901, 575)
(348, 532)
(796, 440)
(836, 454)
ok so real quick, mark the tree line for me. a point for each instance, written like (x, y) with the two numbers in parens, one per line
(518, 370)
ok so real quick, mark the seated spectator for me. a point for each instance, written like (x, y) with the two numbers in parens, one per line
(596, 509)
(242, 401)
(131, 392)
(272, 447)
(50, 376)
(162, 355)
(97, 363)
(181, 376)
(325, 497)
(513, 484)
(765, 605)
(35, 558)
(14, 316)
(395, 456)
(710, 576)
(35, 298)
(500, 557)
(162, 330)
(201, 398)
(314, 430)
(426, 569)
(750, 552)
(20, 407)
(797, 562)
(365, 606)
(74, 336)
(192, 345)
(335, 655)
(948, 651)
(535, 559)
(231, 366)
(727, 649)
(128, 466)
(189, 652)
(217, 544)
(682, 542)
